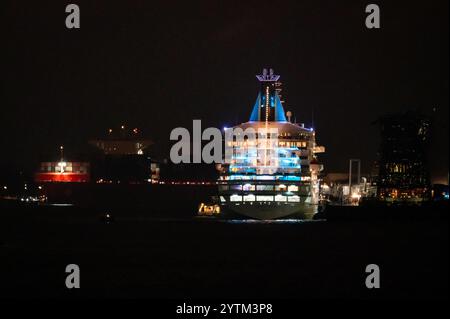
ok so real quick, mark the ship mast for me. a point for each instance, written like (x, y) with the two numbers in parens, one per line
(268, 96)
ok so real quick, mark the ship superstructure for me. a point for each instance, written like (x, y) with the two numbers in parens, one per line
(275, 174)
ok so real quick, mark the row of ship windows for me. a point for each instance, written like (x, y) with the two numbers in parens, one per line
(261, 142)
(292, 144)
(68, 169)
(251, 187)
(262, 198)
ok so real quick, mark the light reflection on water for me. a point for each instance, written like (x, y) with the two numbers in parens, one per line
(270, 221)
(59, 205)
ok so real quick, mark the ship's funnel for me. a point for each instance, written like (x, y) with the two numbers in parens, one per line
(268, 107)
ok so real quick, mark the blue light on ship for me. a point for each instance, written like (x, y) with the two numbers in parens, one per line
(273, 171)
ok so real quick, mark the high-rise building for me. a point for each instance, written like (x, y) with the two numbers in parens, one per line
(403, 172)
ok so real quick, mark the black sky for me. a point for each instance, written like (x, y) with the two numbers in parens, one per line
(158, 65)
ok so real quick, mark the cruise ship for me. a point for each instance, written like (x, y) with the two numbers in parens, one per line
(275, 175)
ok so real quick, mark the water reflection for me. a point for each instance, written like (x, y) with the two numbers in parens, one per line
(271, 221)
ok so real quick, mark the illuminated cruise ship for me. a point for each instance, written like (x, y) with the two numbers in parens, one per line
(274, 175)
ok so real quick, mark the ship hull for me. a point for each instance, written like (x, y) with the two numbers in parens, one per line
(264, 211)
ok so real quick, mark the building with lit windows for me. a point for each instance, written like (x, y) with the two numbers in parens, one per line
(403, 172)
(275, 174)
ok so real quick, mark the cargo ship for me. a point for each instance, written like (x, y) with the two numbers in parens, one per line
(276, 175)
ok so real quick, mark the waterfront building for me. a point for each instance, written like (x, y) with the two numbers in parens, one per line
(403, 166)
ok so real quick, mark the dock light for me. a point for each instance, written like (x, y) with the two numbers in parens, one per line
(5, 187)
(356, 196)
(122, 127)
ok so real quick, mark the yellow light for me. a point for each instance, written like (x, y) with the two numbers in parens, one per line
(356, 196)
(62, 165)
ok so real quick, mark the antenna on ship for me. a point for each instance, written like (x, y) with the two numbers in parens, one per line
(61, 149)
(61, 163)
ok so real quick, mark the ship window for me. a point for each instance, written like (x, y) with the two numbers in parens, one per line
(280, 187)
(294, 198)
(249, 187)
(264, 198)
(264, 187)
(235, 198)
(223, 187)
(292, 188)
(236, 187)
(280, 198)
(265, 178)
(249, 198)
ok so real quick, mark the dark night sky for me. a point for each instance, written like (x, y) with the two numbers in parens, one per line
(158, 65)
